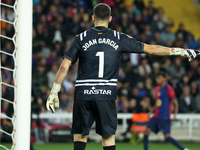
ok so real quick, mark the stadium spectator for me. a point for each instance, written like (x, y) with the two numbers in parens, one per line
(181, 33)
(148, 85)
(124, 22)
(52, 58)
(145, 103)
(158, 24)
(160, 15)
(111, 3)
(139, 4)
(187, 102)
(197, 101)
(156, 68)
(144, 68)
(124, 88)
(52, 74)
(132, 105)
(142, 92)
(148, 33)
(191, 42)
(151, 9)
(167, 35)
(177, 70)
(184, 81)
(135, 58)
(132, 31)
(192, 70)
(133, 73)
(64, 101)
(134, 94)
(196, 76)
(68, 83)
(138, 22)
(122, 75)
(157, 38)
(145, 17)
(194, 88)
(124, 104)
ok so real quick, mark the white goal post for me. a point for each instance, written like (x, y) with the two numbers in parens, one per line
(23, 74)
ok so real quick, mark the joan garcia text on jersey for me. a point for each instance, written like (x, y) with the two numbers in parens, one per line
(100, 41)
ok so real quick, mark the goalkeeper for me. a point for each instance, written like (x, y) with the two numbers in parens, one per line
(99, 50)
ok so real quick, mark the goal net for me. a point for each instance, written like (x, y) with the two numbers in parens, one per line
(15, 73)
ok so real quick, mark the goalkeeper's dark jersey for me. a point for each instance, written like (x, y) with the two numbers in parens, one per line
(99, 50)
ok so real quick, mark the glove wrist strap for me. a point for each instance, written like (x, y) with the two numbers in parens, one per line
(177, 51)
(56, 88)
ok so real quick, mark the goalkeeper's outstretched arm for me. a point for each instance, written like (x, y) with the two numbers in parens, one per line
(53, 100)
(163, 51)
(156, 50)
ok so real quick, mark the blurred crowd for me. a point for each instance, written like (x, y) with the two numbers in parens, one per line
(57, 22)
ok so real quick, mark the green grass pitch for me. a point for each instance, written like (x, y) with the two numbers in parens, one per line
(120, 146)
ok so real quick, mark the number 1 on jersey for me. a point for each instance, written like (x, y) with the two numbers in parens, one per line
(101, 63)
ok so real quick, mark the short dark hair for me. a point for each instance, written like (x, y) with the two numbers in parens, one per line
(102, 11)
(162, 73)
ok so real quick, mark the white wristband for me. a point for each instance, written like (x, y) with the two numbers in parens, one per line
(56, 88)
(177, 51)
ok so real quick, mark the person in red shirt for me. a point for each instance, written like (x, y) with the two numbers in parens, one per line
(165, 98)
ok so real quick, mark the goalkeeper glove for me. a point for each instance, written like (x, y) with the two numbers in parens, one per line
(53, 100)
(191, 54)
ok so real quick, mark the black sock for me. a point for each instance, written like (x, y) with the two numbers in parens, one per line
(109, 147)
(79, 145)
(146, 142)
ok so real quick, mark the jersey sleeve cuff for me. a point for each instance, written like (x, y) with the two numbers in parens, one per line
(65, 56)
(142, 47)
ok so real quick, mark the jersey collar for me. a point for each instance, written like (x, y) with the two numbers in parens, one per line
(100, 28)
(166, 84)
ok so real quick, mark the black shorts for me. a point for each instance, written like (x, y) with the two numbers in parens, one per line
(103, 112)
